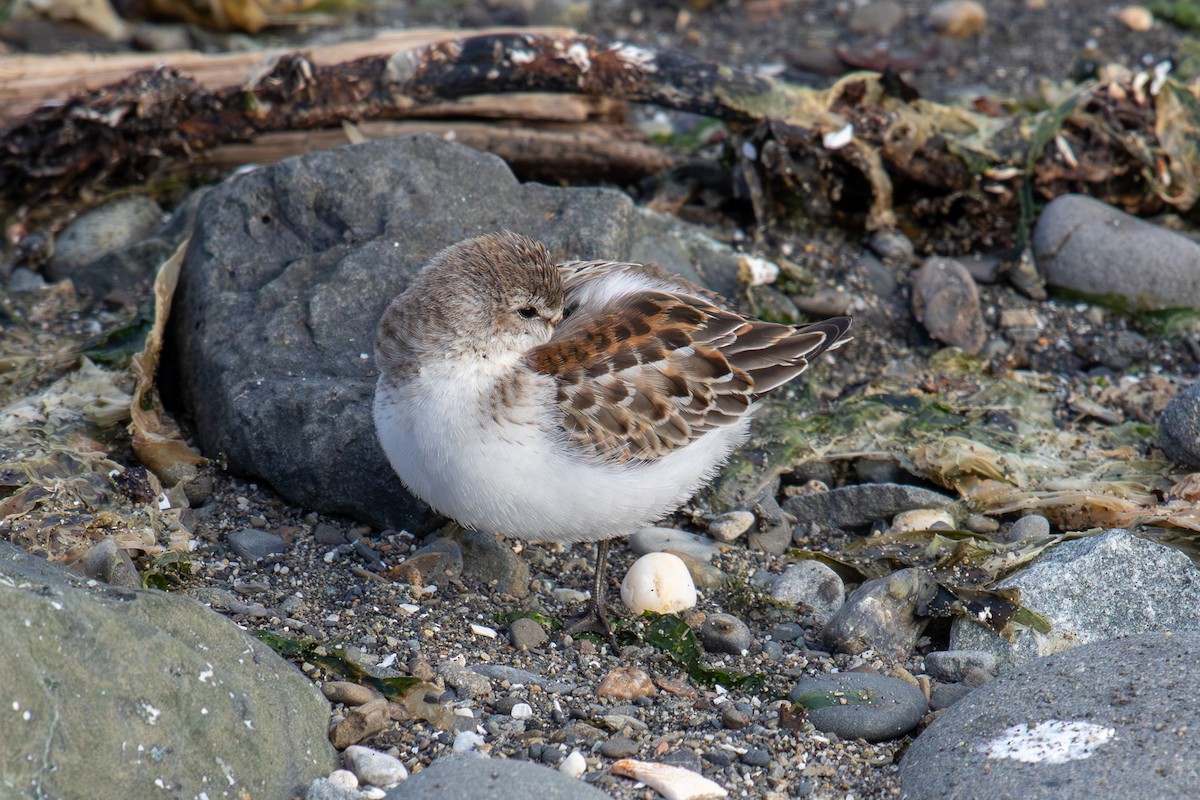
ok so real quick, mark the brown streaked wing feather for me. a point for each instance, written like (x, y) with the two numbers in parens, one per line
(653, 371)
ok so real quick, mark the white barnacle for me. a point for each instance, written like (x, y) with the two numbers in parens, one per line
(636, 56)
(577, 54)
(522, 56)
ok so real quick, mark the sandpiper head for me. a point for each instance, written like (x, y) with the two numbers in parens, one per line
(495, 295)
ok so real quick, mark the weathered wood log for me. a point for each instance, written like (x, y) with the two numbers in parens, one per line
(27, 81)
(590, 152)
(853, 151)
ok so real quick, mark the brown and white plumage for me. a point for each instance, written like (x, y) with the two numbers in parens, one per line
(572, 402)
(654, 367)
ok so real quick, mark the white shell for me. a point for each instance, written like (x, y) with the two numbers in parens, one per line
(574, 765)
(755, 271)
(836, 140)
(658, 582)
(673, 783)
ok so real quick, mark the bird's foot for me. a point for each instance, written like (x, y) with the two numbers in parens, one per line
(594, 620)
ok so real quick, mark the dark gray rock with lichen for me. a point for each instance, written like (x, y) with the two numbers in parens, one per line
(290, 267)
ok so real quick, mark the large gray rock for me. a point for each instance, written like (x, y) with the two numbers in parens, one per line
(290, 267)
(1102, 587)
(1179, 428)
(475, 777)
(1087, 246)
(114, 693)
(1114, 720)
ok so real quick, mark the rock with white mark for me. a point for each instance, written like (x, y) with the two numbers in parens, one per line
(374, 767)
(658, 582)
(1097, 721)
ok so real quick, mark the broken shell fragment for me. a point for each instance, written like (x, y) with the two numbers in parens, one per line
(658, 582)
(673, 783)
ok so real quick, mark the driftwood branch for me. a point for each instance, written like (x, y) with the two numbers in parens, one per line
(855, 152)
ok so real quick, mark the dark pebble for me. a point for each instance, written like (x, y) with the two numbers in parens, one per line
(947, 694)
(619, 747)
(756, 757)
(718, 758)
(325, 533)
(735, 716)
(505, 704)
(865, 706)
(952, 666)
(253, 545)
(787, 632)
(725, 633)
(526, 634)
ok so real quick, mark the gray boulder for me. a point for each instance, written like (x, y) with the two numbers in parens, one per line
(1087, 246)
(290, 267)
(115, 693)
(1102, 587)
(475, 777)
(1113, 719)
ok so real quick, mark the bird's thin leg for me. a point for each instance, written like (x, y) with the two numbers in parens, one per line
(595, 619)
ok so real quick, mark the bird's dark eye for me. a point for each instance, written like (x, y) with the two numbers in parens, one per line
(528, 312)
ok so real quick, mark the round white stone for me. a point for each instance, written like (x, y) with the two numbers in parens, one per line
(658, 582)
